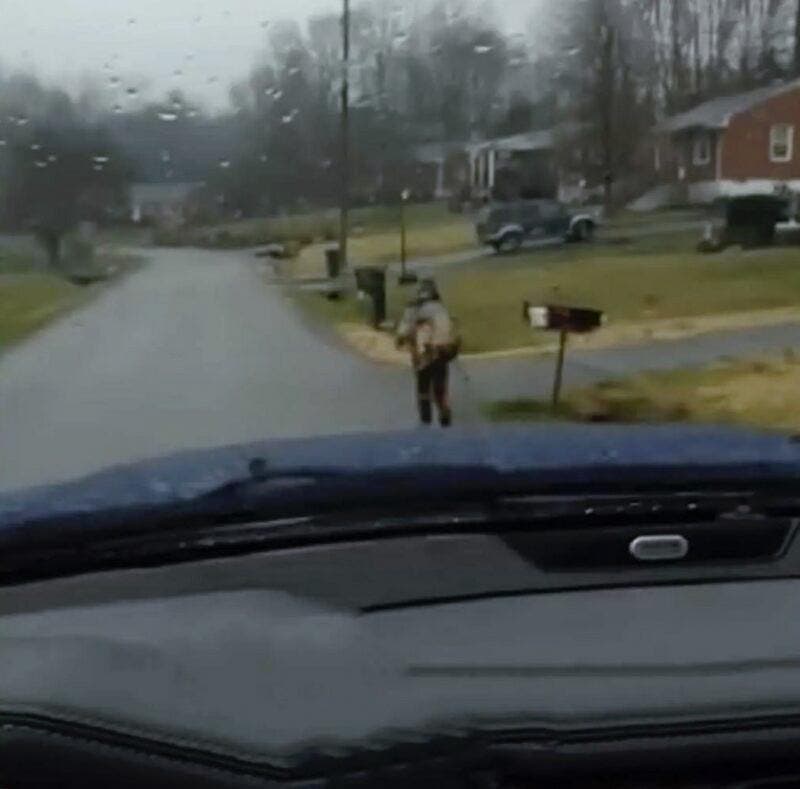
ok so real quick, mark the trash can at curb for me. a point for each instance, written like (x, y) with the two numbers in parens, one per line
(372, 281)
(332, 262)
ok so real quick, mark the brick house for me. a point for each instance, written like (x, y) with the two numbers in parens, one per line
(741, 144)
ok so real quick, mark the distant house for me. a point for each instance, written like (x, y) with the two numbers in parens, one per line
(740, 144)
(521, 164)
(164, 203)
(501, 168)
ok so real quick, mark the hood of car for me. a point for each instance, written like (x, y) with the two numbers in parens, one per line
(546, 455)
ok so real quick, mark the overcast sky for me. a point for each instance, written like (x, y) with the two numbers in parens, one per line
(144, 42)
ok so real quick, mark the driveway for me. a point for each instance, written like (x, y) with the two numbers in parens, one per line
(194, 350)
(512, 377)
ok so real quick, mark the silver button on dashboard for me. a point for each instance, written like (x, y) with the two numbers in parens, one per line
(659, 548)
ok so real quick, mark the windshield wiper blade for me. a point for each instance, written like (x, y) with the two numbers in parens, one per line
(263, 481)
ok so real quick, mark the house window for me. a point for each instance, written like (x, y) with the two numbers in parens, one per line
(701, 149)
(781, 142)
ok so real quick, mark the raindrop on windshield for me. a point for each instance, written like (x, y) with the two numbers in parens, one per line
(191, 114)
(22, 121)
(117, 109)
(113, 80)
(100, 159)
(290, 117)
(294, 70)
(224, 164)
(52, 158)
(263, 157)
(40, 164)
(177, 73)
(264, 24)
(212, 80)
(132, 92)
(2, 143)
(98, 168)
(167, 117)
(165, 156)
(278, 94)
(36, 147)
(132, 20)
(482, 49)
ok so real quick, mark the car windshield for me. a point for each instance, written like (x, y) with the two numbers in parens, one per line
(233, 221)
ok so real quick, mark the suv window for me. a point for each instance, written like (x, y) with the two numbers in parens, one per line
(502, 216)
(529, 212)
(551, 210)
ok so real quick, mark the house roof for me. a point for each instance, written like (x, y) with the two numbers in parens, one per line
(162, 193)
(543, 140)
(716, 113)
(527, 141)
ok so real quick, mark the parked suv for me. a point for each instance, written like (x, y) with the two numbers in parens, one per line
(505, 226)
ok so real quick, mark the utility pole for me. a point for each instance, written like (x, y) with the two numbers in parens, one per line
(344, 196)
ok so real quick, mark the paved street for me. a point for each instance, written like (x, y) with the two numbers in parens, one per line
(194, 350)
(197, 350)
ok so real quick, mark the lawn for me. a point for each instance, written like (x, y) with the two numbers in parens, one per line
(755, 393)
(640, 284)
(374, 234)
(29, 300)
(31, 296)
(631, 287)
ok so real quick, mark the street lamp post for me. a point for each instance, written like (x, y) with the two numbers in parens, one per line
(344, 197)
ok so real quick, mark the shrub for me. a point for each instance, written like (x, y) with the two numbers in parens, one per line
(77, 249)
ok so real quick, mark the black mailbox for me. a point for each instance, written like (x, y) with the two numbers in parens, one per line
(371, 281)
(576, 320)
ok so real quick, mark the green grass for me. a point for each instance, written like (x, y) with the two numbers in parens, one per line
(31, 296)
(638, 219)
(630, 287)
(755, 393)
(375, 233)
(14, 261)
(30, 300)
(650, 279)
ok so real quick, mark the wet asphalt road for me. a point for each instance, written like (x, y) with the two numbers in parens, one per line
(194, 350)
(198, 350)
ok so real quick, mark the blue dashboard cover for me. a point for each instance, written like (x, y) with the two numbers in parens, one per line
(571, 452)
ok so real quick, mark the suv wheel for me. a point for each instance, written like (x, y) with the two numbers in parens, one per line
(510, 242)
(584, 231)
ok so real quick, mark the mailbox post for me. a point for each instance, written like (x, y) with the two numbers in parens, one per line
(564, 320)
(559, 376)
(406, 278)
